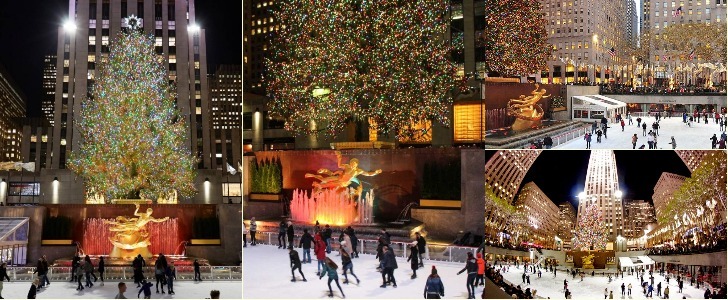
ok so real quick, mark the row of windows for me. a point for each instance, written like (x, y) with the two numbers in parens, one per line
(682, 3)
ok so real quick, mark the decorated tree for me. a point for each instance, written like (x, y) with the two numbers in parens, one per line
(133, 136)
(591, 234)
(706, 186)
(515, 37)
(708, 41)
(340, 61)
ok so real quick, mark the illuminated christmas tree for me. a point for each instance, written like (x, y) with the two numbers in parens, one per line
(133, 135)
(591, 232)
(515, 37)
(340, 61)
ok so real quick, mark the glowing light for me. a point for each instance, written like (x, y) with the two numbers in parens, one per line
(193, 28)
(69, 26)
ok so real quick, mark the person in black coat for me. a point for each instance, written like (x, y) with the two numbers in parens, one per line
(327, 233)
(305, 243)
(282, 228)
(433, 287)
(33, 289)
(41, 270)
(295, 264)
(290, 232)
(414, 258)
(196, 264)
(4, 272)
(421, 247)
(74, 264)
(102, 268)
(389, 263)
(472, 267)
(354, 241)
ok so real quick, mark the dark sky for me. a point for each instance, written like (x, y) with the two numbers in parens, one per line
(561, 174)
(28, 31)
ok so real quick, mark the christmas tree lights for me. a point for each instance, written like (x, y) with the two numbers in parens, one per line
(591, 232)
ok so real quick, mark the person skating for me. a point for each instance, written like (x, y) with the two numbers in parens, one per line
(138, 265)
(588, 139)
(4, 272)
(253, 230)
(291, 233)
(74, 264)
(629, 118)
(146, 288)
(354, 241)
(629, 289)
(599, 136)
(421, 247)
(414, 259)
(305, 243)
(245, 235)
(79, 276)
(326, 235)
(319, 249)
(622, 124)
(622, 288)
(594, 127)
(659, 289)
(171, 274)
(667, 292)
(644, 129)
(611, 296)
(471, 266)
(634, 141)
(88, 268)
(639, 120)
(480, 280)
(196, 265)
(346, 243)
(295, 264)
(389, 264)
(159, 272)
(33, 289)
(282, 229)
(680, 286)
(347, 265)
(122, 290)
(102, 269)
(41, 270)
(713, 141)
(330, 270)
(434, 289)
(651, 140)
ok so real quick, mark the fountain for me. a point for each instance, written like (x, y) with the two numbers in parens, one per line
(332, 207)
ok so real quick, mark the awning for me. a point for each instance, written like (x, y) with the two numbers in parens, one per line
(602, 101)
(635, 261)
(13, 231)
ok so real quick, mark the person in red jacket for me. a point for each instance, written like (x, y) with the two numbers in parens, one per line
(481, 270)
(319, 249)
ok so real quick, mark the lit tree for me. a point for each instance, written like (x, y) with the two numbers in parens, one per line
(133, 136)
(515, 37)
(706, 183)
(339, 61)
(708, 41)
(591, 234)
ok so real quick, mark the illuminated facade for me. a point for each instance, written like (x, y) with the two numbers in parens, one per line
(692, 158)
(226, 97)
(567, 221)
(602, 186)
(665, 187)
(49, 87)
(639, 214)
(542, 214)
(13, 109)
(505, 171)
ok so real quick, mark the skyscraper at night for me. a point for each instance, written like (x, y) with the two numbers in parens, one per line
(602, 187)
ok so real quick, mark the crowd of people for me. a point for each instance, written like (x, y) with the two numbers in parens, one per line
(613, 88)
(689, 248)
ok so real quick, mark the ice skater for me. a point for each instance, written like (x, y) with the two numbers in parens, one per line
(145, 288)
(433, 287)
(253, 230)
(305, 243)
(319, 249)
(472, 267)
(171, 273)
(330, 270)
(295, 264)
(414, 259)
(389, 263)
(348, 265)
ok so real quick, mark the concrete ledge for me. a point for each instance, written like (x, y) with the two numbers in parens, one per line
(430, 203)
(56, 242)
(205, 241)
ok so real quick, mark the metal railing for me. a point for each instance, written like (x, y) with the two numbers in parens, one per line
(569, 136)
(210, 273)
(448, 253)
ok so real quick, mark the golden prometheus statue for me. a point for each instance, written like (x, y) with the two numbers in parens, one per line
(526, 109)
(587, 262)
(130, 235)
(340, 179)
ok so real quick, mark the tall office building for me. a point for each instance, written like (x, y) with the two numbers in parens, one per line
(505, 171)
(602, 187)
(226, 96)
(632, 32)
(177, 39)
(567, 221)
(260, 26)
(659, 14)
(49, 87)
(665, 187)
(11, 112)
(640, 214)
(692, 158)
(541, 212)
(467, 24)
(582, 33)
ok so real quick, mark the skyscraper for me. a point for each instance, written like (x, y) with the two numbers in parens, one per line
(567, 220)
(692, 158)
(49, 87)
(12, 110)
(640, 214)
(602, 187)
(260, 25)
(84, 40)
(541, 212)
(505, 171)
(226, 96)
(667, 185)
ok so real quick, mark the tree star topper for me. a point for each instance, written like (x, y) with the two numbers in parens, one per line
(132, 22)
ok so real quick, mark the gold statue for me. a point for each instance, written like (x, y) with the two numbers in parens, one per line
(340, 179)
(130, 234)
(526, 109)
(587, 261)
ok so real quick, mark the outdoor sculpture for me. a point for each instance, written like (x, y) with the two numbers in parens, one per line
(526, 109)
(130, 236)
(587, 261)
(340, 179)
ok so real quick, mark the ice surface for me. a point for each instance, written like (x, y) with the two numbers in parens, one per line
(266, 274)
(695, 137)
(67, 290)
(593, 287)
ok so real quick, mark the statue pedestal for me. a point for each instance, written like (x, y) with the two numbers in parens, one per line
(130, 253)
(523, 124)
(587, 266)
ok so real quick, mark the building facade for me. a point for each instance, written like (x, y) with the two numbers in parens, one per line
(602, 187)
(639, 214)
(226, 97)
(258, 28)
(692, 158)
(665, 187)
(177, 39)
(582, 33)
(542, 214)
(632, 32)
(567, 221)
(505, 171)
(12, 111)
(49, 87)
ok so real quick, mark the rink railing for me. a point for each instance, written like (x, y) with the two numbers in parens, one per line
(569, 136)
(184, 273)
(446, 253)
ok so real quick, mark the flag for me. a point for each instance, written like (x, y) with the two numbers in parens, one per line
(664, 57)
(230, 169)
(692, 55)
(612, 52)
(677, 12)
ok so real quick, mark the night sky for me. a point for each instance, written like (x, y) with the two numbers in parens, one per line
(29, 29)
(561, 174)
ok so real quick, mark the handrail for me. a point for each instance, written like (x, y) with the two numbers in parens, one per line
(184, 273)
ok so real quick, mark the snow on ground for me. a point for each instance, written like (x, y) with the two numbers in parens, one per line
(593, 287)
(695, 137)
(67, 290)
(266, 274)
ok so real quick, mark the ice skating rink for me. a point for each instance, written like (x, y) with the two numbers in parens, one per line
(695, 137)
(67, 290)
(593, 287)
(266, 274)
